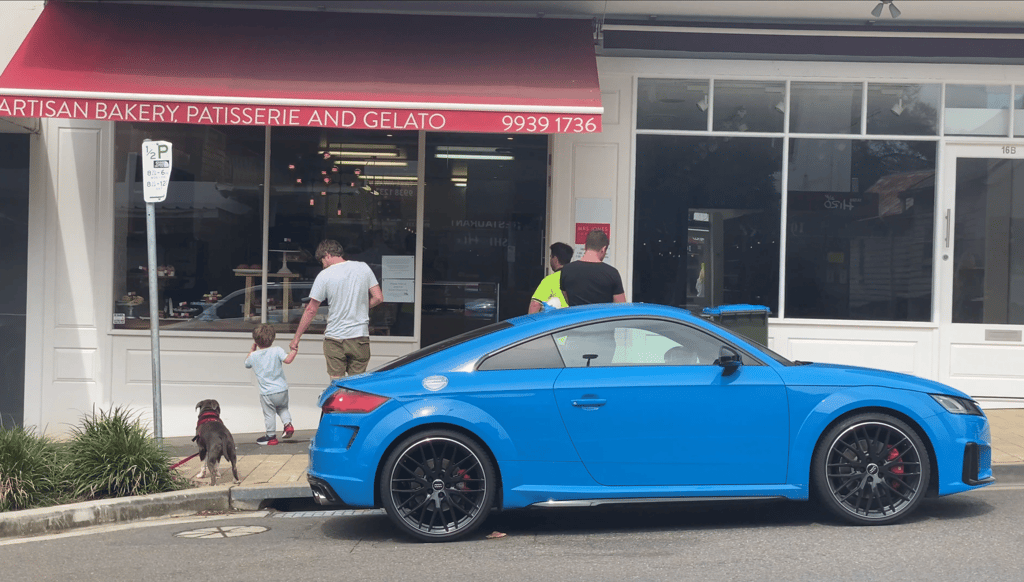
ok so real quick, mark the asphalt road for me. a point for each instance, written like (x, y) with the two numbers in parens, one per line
(976, 536)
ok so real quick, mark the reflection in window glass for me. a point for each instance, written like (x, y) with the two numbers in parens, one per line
(355, 187)
(1018, 117)
(749, 106)
(707, 218)
(536, 354)
(637, 342)
(903, 109)
(825, 107)
(977, 110)
(860, 230)
(484, 210)
(988, 259)
(672, 104)
(209, 225)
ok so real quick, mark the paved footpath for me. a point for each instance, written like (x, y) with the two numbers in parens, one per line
(269, 473)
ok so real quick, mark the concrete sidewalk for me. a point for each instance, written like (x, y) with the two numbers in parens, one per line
(273, 473)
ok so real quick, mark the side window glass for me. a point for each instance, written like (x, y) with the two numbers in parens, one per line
(637, 342)
(536, 354)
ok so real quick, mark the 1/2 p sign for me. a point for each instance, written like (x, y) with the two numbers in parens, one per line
(156, 170)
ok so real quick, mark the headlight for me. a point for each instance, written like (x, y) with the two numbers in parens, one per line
(955, 405)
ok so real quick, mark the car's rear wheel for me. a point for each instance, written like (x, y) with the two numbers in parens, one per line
(438, 485)
(871, 469)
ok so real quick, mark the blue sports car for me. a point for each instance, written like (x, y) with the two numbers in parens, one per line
(628, 403)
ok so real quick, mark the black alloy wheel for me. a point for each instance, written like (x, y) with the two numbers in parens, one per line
(438, 485)
(871, 469)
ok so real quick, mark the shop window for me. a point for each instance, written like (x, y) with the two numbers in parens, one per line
(860, 229)
(209, 225)
(1018, 112)
(14, 195)
(707, 220)
(988, 242)
(484, 211)
(977, 110)
(903, 109)
(825, 107)
(749, 106)
(358, 188)
(673, 104)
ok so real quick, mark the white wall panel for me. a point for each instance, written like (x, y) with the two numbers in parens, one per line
(200, 366)
(75, 364)
(909, 350)
(67, 371)
(76, 197)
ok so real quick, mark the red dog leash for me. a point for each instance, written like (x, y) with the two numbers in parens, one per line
(183, 461)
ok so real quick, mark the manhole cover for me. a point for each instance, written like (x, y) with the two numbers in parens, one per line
(230, 531)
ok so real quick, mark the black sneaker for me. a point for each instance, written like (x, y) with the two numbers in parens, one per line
(267, 440)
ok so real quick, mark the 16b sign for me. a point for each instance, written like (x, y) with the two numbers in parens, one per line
(156, 170)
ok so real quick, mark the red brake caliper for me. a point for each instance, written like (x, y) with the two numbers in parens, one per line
(896, 470)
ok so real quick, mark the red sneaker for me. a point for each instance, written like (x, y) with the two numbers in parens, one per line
(289, 430)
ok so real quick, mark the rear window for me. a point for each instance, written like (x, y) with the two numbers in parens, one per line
(444, 345)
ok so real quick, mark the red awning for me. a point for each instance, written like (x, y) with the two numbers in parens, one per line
(233, 66)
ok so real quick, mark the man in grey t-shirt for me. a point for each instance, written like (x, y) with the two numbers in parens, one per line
(351, 290)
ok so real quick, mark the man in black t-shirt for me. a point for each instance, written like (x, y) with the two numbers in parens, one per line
(590, 280)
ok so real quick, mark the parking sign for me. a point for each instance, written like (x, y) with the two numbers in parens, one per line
(156, 170)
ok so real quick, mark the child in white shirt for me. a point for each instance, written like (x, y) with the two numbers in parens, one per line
(266, 361)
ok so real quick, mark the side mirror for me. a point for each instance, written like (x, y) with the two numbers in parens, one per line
(729, 360)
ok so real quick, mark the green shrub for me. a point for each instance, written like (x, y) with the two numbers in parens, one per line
(32, 470)
(113, 455)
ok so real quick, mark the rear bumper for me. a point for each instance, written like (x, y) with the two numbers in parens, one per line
(324, 494)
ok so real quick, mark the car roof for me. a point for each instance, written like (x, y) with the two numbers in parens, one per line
(580, 313)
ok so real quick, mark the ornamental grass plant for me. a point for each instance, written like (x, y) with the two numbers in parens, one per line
(32, 470)
(113, 455)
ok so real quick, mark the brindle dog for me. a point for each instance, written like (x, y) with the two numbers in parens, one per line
(214, 440)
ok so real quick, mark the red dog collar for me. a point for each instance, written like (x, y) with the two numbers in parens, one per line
(209, 416)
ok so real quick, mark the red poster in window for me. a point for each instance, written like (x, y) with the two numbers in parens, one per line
(584, 228)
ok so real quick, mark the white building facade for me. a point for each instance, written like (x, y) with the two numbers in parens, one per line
(867, 195)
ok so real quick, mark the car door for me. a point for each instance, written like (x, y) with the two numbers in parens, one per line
(636, 419)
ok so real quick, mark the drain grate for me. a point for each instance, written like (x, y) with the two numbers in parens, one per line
(228, 531)
(331, 513)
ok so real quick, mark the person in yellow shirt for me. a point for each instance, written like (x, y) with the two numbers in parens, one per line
(549, 292)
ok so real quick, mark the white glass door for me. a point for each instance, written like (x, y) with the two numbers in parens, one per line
(982, 266)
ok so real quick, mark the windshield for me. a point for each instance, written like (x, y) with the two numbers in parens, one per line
(443, 345)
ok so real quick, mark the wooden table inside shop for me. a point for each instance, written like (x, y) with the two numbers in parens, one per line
(251, 274)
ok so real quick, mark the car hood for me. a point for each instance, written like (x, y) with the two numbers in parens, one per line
(814, 374)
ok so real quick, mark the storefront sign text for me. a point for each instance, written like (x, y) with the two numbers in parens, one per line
(259, 115)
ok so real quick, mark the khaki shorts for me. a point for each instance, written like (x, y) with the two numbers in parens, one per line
(346, 357)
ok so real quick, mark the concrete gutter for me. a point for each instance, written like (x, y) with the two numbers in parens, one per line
(219, 498)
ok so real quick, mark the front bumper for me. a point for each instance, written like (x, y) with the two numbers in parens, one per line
(977, 465)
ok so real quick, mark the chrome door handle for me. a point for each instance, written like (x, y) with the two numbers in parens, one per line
(589, 402)
(947, 228)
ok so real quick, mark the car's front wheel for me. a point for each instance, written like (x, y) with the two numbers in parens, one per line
(871, 469)
(438, 485)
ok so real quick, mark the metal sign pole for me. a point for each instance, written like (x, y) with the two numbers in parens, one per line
(154, 320)
(156, 169)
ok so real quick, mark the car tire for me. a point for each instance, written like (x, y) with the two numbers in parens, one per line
(871, 469)
(438, 485)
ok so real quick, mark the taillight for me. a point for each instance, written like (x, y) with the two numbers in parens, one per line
(351, 401)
